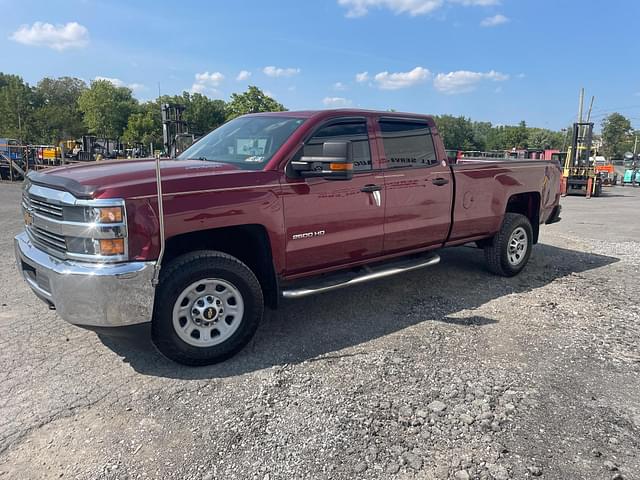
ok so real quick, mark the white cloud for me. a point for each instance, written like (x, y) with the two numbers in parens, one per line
(476, 3)
(272, 71)
(136, 86)
(494, 21)
(243, 75)
(395, 81)
(339, 86)
(57, 37)
(463, 81)
(207, 82)
(359, 8)
(119, 83)
(336, 102)
(362, 77)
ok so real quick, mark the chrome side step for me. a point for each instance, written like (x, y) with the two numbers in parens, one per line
(342, 279)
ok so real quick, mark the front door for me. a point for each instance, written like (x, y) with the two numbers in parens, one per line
(329, 222)
(418, 186)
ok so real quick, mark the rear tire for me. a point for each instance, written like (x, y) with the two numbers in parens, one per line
(511, 247)
(208, 307)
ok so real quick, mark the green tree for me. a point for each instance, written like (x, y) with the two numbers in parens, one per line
(616, 133)
(17, 106)
(251, 101)
(542, 138)
(58, 116)
(106, 108)
(482, 133)
(144, 126)
(202, 114)
(456, 132)
(509, 137)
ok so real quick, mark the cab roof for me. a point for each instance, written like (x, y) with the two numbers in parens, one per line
(342, 111)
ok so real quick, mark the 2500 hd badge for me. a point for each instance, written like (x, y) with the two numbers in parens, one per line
(299, 236)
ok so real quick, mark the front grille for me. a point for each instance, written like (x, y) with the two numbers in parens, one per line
(52, 240)
(44, 208)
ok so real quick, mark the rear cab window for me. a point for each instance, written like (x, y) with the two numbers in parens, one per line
(407, 143)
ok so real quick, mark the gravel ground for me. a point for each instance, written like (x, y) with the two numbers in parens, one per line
(442, 373)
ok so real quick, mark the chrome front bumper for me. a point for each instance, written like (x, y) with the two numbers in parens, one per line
(91, 294)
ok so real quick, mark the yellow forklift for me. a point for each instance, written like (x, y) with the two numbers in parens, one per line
(579, 174)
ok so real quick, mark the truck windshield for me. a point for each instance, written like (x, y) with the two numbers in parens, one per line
(247, 142)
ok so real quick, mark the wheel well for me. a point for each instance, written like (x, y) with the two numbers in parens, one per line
(248, 243)
(527, 204)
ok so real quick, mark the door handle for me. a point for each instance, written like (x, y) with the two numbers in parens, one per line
(370, 188)
(440, 181)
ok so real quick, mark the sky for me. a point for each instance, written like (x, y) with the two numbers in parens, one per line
(501, 61)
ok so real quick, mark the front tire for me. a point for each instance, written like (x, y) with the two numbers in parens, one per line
(208, 307)
(511, 247)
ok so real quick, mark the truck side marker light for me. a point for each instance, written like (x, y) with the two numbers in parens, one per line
(338, 167)
(113, 246)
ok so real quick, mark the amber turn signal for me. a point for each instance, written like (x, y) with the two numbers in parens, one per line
(113, 246)
(109, 214)
(338, 167)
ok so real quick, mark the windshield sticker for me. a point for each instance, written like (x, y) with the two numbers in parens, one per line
(251, 146)
(254, 159)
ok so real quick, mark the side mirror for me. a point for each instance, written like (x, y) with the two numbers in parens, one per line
(336, 162)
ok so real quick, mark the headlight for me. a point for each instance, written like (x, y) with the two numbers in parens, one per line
(108, 247)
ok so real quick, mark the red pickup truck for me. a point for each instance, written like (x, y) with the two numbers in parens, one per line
(267, 206)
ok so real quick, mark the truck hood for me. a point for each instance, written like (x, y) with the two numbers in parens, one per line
(129, 178)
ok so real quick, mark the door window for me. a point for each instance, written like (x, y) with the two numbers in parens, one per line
(407, 144)
(351, 131)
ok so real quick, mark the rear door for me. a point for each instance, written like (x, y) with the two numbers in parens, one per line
(418, 185)
(329, 222)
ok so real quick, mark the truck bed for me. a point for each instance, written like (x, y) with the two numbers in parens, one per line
(483, 187)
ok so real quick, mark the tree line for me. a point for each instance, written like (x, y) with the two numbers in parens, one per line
(460, 133)
(57, 109)
(66, 108)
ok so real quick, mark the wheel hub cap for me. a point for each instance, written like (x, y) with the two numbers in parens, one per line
(207, 309)
(518, 244)
(208, 312)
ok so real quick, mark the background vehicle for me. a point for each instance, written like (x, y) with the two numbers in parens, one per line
(47, 154)
(605, 170)
(631, 171)
(268, 206)
(579, 174)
